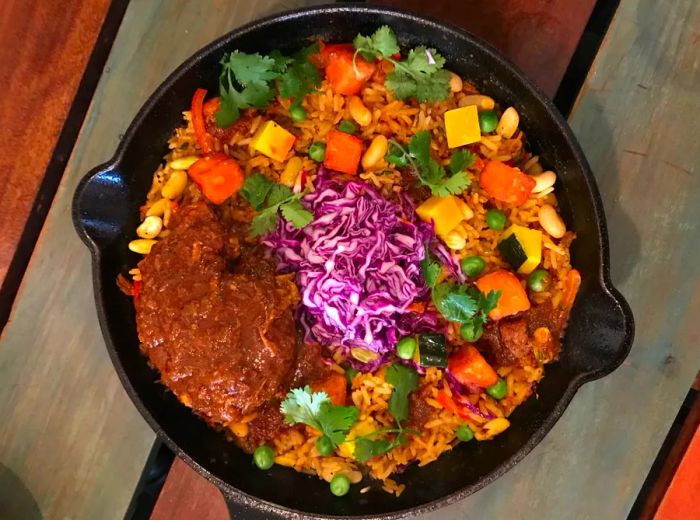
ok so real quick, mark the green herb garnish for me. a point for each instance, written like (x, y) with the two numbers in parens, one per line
(430, 268)
(430, 172)
(404, 380)
(366, 448)
(269, 199)
(245, 82)
(248, 80)
(420, 75)
(315, 409)
(462, 304)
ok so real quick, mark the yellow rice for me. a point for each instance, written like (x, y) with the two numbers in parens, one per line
(370, 392)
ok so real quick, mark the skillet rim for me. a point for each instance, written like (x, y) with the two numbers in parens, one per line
(604, 279)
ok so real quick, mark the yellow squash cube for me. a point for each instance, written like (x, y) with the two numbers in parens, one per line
(462, 126)
(528, 241)
(273, 140)
(446, 212)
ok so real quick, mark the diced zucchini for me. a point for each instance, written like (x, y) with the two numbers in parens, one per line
(433, 350)
(521, 247)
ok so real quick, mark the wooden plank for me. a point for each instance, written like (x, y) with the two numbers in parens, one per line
(71, 443)
(186, 495)
(539, 36)
(683, 495)
(44, 46)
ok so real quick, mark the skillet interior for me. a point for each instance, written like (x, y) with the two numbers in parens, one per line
(105, 213)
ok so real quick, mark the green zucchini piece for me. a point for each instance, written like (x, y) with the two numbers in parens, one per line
(433, 350)
(512, 251)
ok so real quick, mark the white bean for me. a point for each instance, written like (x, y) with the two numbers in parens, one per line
(551, 222)
(183, 163)
(141, 246)
(508, 124)
(175, 186)
(481, 102)
(455, 82)
(150, 227)
(455, 240)
(375, 152)
(543, 181)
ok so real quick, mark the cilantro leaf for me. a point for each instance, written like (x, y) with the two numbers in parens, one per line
(294, 212)
(264, 222)
(454, 303)
(281, 61)
(461, 160)
(452, 185)
(420, 75)
(404, 380)
(419, 146)
(489, 302)
(366, 449)
(315, 409)
(419, 62)
(279, 193)
(301, 76)
(252, 68)
(255, 190)
(430, 269)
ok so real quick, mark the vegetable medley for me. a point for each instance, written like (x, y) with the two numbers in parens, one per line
(428, 253)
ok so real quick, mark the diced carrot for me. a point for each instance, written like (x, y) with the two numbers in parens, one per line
(571, 287)
(469, 367)
(505, 183)
(335, 385)
(204, 139)
(205, 164)
(344, 77)
(513, 296)
(222, 181)
(343, 152)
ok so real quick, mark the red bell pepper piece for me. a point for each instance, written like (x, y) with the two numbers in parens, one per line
(204, 139)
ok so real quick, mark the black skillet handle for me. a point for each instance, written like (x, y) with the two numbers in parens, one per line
(603, 319)
(101, 206)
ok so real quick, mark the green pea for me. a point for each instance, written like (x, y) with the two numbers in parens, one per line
(324, 446)
(471, 331)
(472, 266)
(499, 390)
(496, 219)
(350, 374)
(264, 457)
(488, 121)
(406, 347)
(340, 485)
(317, 151)
(297, 113)
(464, 433)
(538, 280)
(347, 126)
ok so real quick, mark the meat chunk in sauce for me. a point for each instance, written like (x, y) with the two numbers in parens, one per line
(532, 337)
(224, 342)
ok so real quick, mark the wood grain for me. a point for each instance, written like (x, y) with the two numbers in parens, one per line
(71, 443)
(186, 495)
(539, 36)
(44, 46)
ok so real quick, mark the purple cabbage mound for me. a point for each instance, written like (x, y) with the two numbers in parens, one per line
(358, 268)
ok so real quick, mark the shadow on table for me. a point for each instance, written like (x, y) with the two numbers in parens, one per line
(16, 501)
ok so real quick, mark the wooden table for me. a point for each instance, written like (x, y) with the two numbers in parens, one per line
(73, 446)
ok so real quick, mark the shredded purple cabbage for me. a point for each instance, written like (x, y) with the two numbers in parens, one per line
(358, 268)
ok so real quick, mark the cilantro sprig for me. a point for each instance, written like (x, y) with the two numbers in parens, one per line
(404, 379)
(459, 303)
(315, 409)
(420, 75)
(269, 199)
(429, 170)
(249, 80)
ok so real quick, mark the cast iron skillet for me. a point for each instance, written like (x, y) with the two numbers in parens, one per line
(105, 213)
